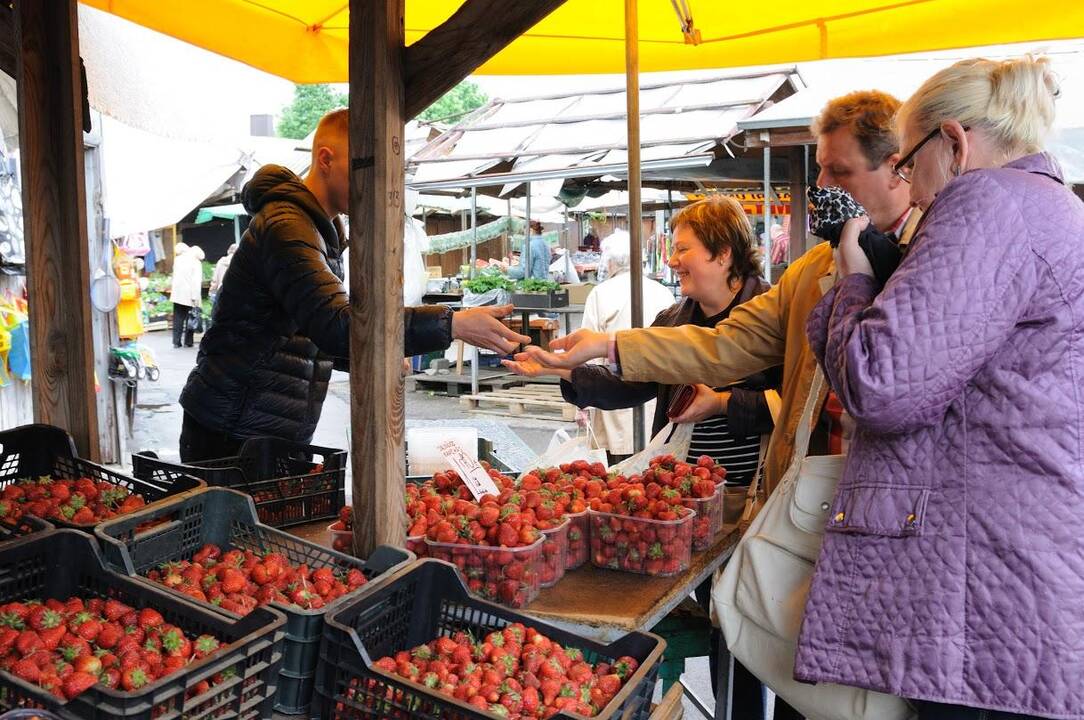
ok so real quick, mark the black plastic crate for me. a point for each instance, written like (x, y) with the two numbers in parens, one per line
(65, 563)
(426, 601)
(27, 525)
(227, 518)
(290, 483)
(33, 451)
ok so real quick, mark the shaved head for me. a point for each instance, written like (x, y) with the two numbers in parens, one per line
(332, 131)
(329, 175)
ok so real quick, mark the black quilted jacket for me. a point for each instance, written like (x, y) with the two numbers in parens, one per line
(282, 319)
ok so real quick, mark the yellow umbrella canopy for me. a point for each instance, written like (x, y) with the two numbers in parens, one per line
(306, 40)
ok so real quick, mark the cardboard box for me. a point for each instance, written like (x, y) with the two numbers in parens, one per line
(577, 294)
(434, 272)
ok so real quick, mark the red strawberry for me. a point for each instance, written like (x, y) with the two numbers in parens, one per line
(133, 679)
(26, 669)
(175, 644)
(149, 618)
(89, 664)
(109, 636)
(85, 626)
(233, 581)
(114, 610)
(77, 683)
(205, 645)
(27, 642)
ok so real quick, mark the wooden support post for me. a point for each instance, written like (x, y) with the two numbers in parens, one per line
(55, 219)
(799, 205)
(475, 32)
(376, 272)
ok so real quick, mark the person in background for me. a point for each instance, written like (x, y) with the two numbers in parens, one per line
(857, 149)
(953, 566)
(220, 272)
(540, 258)
(186, 290)
(283, 316)
(591, 242)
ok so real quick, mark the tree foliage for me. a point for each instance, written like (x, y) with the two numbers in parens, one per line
(310, 103)
(455, 103)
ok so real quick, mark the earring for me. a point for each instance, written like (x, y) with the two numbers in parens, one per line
(955, 170)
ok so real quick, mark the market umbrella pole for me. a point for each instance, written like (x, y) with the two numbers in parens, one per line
(470, 273)
(636, 263)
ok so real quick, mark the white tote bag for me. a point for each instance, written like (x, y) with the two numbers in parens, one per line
(761, 596)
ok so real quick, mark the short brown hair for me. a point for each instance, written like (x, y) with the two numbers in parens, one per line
(869, 115)
(720, 223)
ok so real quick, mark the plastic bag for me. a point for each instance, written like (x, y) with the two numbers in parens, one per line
(564, 448)
(496, 296)
(671, 440)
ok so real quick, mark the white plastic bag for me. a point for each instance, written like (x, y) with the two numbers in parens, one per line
(564, 448)
(671, 440)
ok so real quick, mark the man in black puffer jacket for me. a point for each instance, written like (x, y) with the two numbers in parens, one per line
(282, 320)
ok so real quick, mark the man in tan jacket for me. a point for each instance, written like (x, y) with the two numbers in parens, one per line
(857, 148)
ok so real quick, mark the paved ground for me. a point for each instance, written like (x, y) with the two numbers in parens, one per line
(158, 426)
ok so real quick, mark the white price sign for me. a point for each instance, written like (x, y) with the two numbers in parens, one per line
(474, 475)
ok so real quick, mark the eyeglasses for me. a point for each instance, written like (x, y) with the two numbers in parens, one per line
(906, 166)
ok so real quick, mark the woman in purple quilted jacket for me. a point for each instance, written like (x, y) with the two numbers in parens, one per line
(952, 572)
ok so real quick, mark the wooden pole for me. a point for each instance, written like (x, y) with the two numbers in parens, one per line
(636, 263)
(799, 183)
(376, 273)
(55, 219)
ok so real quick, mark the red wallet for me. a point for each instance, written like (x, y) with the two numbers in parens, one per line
(681, 400)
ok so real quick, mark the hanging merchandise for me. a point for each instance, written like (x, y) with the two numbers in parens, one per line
(19, 358)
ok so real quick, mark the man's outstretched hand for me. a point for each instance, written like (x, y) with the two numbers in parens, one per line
(481, 327)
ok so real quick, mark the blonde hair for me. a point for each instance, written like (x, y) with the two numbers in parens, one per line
(868, 115)
(1011, 100)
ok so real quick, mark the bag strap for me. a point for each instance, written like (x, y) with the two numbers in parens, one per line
(801, 443)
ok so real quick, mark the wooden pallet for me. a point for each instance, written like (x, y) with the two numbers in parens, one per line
(454, 384)
(546, 400)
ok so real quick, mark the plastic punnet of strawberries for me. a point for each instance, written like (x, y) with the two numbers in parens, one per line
(342, 530)
(570, 481)
(67, 647)
(515, 673)
(699, 486)
(81, 501)
(240, 580)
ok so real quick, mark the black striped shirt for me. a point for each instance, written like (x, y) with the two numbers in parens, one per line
(738, 454)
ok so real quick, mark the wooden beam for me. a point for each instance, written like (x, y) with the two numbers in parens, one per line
(9, 47)
(376, 273)
(477, 31)
(55, 219)
(799, 205)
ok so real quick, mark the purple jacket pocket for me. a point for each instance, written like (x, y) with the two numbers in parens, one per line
(885, 510)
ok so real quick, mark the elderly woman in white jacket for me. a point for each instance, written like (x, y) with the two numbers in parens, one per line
(608, 308)
(186, 290)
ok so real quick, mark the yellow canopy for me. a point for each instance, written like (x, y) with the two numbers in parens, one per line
(306, 40)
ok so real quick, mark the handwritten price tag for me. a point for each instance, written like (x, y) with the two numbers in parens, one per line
(474, 475)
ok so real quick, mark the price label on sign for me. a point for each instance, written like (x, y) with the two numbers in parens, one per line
(474, 475)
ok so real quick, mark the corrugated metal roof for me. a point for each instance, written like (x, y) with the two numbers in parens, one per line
(575, 131)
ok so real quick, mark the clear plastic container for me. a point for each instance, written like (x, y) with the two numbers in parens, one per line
(509, 576)
(641, 545)
(417, 545)
(341, 540)
(554, 553)
(579, 534)
(709, 518)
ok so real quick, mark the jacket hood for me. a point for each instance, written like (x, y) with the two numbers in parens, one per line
(197, 252)
(180, 249)
(273, 183)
